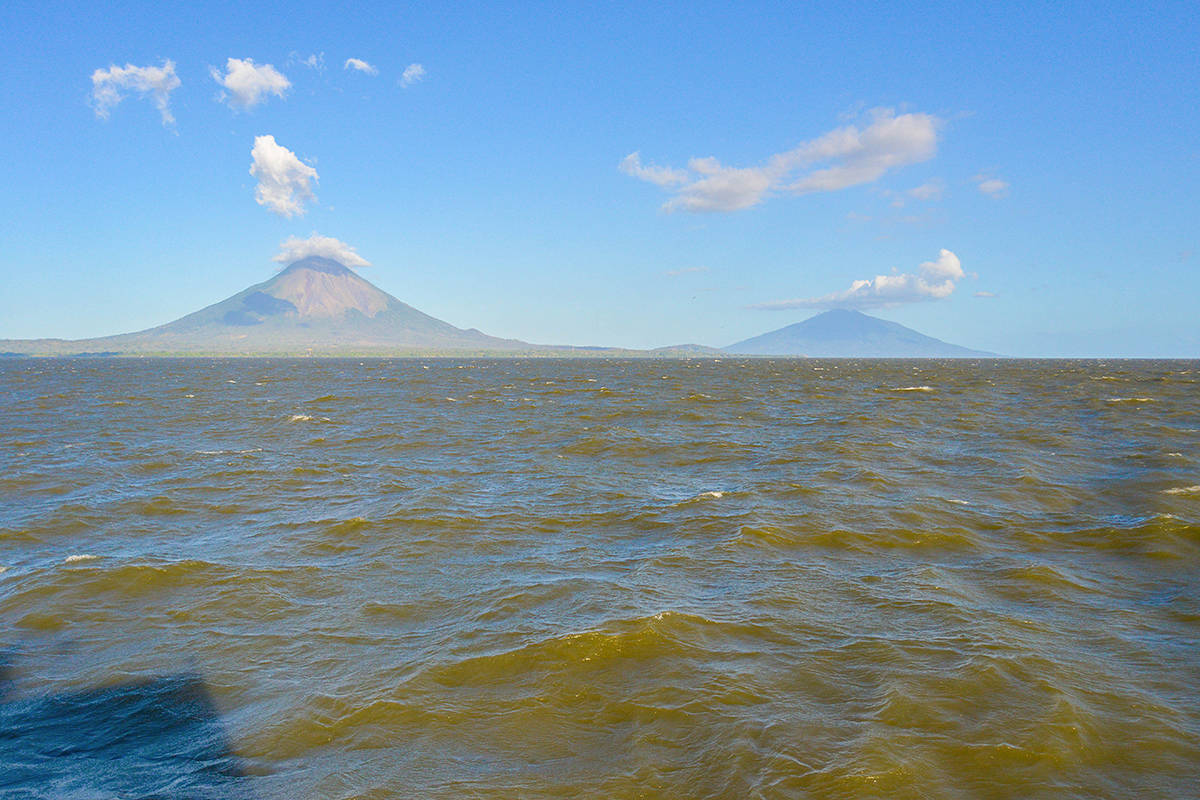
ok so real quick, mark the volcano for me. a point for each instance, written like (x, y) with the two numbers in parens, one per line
(842, 333)
(315, 306)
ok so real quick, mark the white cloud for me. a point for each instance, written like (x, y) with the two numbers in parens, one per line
(985, 294)
(155, 82)
(675, 273)
(316, 61)
(249, 84)
(853, 156)
(933, 280)
(930, 190)
(991, 186)
(296, 248)
(284, 181)
(360, 65)
(661, 176)
(412, 74)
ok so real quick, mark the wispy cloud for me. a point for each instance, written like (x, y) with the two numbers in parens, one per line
(930, 190)
(852, 156)
(157, 83)
(660, 176)
(249, 84)
(991, 186)
(284, 181)
(675, 273)
(316, 61)
(360, 65)
(933, 280)
(296, 248)
(986, 294)
(412, 74)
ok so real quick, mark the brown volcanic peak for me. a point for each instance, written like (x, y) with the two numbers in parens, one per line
(319, 287)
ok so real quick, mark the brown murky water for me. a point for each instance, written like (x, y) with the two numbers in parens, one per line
(535, 578)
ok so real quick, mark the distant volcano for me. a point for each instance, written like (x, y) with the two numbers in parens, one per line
(841, 333)
(315, 305)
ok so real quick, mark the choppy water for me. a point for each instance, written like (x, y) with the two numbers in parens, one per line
(723, 579)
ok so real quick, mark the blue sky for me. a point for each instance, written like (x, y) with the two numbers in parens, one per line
(785, 152)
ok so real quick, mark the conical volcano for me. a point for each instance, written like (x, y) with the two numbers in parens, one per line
(315, 305)
(842, 333)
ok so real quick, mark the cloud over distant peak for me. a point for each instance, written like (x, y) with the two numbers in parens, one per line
(284, 181)
(844, 157)
(360, 65)
(155, 82)
(296, 248)
(412, 74)
(932, 281)
(249, 84)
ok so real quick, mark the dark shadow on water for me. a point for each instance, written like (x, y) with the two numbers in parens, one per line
(160, 738)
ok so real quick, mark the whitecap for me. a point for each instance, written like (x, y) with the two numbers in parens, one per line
(228, 452)
(1131, 400)
(716, 495)
(299, 418)
(79, 557)
(913, 389)
(1183, 490)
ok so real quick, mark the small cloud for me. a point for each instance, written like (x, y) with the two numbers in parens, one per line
(932, 281)
(284, 181)
(412, 74)
(986, 294)
(991, 186)
(852, 156)
(248, 83)
(155, 82)
(930, 190)
(674, 273)
(661, 176)
(316, 61)
(296, 248)
(360, 65)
